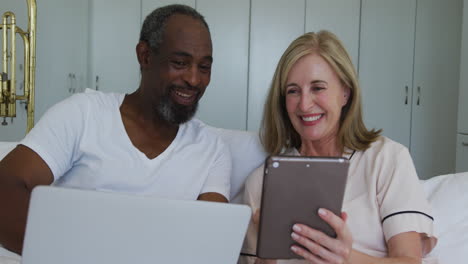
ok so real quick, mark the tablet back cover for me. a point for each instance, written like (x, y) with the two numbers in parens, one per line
(294, 188)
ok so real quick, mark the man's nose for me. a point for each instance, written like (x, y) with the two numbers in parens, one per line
(192, 76)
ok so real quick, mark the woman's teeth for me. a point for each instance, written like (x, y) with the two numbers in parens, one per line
(311, 118)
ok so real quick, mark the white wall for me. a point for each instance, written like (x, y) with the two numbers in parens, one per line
(66, 39)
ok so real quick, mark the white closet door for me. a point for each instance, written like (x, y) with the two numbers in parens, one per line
(115, 27)
(463, 98)
(274, 25)
(462, 153)
(149, 5)
(338, 16)
(61, 52)
(436, 82)
(386, 66)
(225, 102)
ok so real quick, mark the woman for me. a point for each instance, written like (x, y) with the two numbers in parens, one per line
(314, 109)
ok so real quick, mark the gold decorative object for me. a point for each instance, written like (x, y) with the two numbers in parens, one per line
(8, 96)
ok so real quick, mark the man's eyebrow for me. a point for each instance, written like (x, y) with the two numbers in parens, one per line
(186, 54)
(181, 53)
(208, 58)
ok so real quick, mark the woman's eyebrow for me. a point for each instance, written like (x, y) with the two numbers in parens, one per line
(318, 81)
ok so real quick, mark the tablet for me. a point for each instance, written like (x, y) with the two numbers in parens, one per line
(294, 188)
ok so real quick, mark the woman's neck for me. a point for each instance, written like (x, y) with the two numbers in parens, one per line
(325, 148)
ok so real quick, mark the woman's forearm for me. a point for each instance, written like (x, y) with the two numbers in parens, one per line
(362, 258)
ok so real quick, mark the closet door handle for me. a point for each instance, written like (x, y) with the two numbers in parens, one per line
(70, 82)
(97, 82)
(419, 95)
(73, 87)
(406, 98)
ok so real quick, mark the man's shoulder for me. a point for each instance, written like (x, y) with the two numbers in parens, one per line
(99, 98)
(199, 128)
(197, 131)
(81, 105)
(92, 97)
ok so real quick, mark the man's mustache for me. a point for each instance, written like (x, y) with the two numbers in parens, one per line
(185, 87)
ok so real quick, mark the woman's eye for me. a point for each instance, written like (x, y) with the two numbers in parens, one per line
(291, 91)
(318, 88)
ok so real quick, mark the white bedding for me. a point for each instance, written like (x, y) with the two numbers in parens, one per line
(8, 259)
(448, 195)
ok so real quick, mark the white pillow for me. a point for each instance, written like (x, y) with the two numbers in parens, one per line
(9, 260)
(6, 147)
(7, 257)
(448, 195)
(247, 154)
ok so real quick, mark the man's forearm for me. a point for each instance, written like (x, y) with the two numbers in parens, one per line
(14, 202)
(212, 197)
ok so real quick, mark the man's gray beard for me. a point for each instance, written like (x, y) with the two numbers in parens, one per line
(174, 113)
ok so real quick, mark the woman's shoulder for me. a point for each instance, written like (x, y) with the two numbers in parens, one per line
(256, 177)
(385, 145)
(384, 151)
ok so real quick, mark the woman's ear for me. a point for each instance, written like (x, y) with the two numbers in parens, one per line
(346, 95)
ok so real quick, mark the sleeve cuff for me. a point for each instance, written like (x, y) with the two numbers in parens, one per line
(53, 166)
(411, 221)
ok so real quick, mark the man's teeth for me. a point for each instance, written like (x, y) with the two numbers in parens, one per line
(311, 118)
(183, 94)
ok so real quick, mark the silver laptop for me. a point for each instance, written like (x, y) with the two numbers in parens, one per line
(77, 226)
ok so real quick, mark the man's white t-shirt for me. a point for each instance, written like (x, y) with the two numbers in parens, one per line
(83, 141)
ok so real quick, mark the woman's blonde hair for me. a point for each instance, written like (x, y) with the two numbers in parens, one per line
(277, 133)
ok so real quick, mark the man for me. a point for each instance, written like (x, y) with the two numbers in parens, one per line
(142, 143)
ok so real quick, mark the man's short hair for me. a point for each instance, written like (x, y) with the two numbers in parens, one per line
(154, 25)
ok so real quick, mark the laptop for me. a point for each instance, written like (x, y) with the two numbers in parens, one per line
(79, 226)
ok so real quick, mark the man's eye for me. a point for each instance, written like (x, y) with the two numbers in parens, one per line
(205, 67)
(179, 63)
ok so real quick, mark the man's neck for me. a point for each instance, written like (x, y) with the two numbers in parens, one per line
(147, 132)
(140, 110)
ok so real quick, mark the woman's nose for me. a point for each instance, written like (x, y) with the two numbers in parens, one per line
(306, 102)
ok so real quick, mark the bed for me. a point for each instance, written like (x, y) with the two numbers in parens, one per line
(448, 195)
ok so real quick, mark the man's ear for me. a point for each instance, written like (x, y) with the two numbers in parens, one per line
(143, 52)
